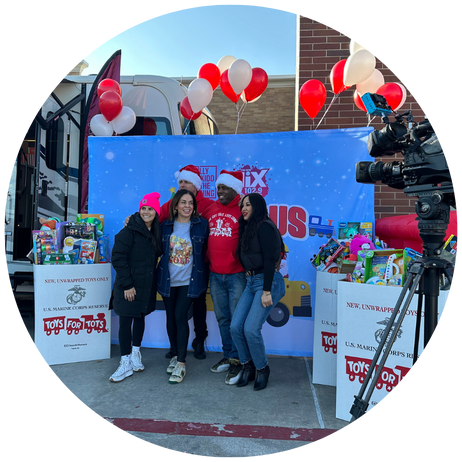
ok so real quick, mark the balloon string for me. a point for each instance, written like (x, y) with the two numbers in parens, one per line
(239, 114)
(189, 121)
(331, 103)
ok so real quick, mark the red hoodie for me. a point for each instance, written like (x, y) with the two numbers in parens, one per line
(224, 236)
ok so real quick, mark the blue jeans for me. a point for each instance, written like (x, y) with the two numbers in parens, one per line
(226, 290)
(250, 316)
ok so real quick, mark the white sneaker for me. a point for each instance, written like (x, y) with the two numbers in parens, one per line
(172, 365)
(178, 373)
(125, 369)
(135, 358)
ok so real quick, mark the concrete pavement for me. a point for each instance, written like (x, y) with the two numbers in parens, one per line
(202, 415)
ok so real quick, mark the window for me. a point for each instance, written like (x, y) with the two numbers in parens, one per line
(150, 126)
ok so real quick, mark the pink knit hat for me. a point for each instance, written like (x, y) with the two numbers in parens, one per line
(151, 200)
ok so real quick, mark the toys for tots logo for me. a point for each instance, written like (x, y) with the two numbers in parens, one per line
(357, 367)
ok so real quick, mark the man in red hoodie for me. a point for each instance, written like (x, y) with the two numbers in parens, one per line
(227, 276)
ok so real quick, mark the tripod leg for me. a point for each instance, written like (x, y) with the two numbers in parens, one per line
(432, 289)
(360, 405)
(417, 328)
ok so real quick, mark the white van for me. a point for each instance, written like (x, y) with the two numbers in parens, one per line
(46, 178)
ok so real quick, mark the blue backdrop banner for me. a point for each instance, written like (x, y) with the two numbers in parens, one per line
(307, 179)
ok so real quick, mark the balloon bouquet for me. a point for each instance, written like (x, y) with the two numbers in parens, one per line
(236, 78)
(115, 117)
(359, 69)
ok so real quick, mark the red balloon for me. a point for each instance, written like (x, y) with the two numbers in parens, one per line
(227, 89)
(312, 97)
(110, 105)
(257, 85)
(336, 77)
(358, 101)
(393, 93)
(186, 111)
(211, 73)
(108, 85)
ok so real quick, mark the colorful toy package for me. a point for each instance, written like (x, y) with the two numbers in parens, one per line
(384, 267)
(84, 251)
(327, 255)
(81, 230)
(92, 218)
(104, 249)
(348, 229)
(45, 242)
(58, 259)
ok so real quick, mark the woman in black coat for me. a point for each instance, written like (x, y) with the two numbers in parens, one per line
(136, 250)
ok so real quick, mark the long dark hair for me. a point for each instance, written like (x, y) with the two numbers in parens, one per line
(248, 228)
(176, 198)
(157, 235)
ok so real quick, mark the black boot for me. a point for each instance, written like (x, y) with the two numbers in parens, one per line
(198, 346)
(262, 378)
(248, 374)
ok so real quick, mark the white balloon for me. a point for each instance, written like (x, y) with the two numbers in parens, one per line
(200, 93)
(372, 84)
(358, 67)
(239, 75)
(225, 62)
(100, 126)
(125, 121)
(354, 47)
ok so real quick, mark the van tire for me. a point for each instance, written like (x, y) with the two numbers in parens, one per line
(278, 316)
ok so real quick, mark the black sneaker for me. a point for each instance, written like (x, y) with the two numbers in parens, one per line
(234, 372)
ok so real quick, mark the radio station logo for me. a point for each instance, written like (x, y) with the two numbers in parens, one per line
(255, 180)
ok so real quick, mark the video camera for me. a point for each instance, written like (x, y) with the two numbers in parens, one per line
(424, 168)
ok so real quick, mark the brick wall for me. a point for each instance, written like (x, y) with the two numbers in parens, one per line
(320, 48)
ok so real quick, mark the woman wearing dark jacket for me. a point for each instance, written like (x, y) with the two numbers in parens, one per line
(136, 250)
(260, 250)
(181, 275)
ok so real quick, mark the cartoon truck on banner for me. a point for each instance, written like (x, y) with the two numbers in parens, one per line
(315, 227)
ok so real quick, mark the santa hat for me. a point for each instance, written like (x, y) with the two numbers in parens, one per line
(151, 200)
(231, 179)
(190, 173)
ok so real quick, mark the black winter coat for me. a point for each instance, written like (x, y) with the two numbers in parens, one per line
(134, 259)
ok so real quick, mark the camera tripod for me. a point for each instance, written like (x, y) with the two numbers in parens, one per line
(423, 278)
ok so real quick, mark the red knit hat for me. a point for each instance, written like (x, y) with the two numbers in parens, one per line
(231, 179)
(151, 200)
(190, 173)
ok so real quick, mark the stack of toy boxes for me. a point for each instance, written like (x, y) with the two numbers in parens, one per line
(80, 242)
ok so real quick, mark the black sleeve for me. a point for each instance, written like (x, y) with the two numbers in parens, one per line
(268, 242)
(123, 242)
